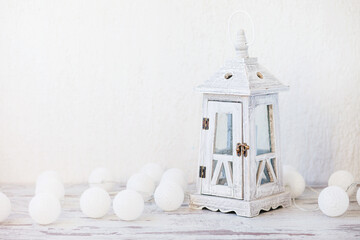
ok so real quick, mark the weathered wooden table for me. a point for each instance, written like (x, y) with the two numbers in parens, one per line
(185, 223)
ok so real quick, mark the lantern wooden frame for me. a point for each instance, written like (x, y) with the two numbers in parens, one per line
(240, 180)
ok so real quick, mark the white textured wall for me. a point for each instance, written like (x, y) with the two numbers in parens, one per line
(110, 83)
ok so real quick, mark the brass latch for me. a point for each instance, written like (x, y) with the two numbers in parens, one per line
(205, 124)
(242, 149)
(202, 172)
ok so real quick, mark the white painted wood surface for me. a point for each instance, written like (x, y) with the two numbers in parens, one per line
(242, 208)
(242, 75)
(247, 174)
(185, 223)
(240, 78)
(233, 175)
(276, 186)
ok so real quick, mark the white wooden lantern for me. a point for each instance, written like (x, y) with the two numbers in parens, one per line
(240, 162)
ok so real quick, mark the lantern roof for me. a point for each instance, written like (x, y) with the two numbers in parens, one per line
(242, 75)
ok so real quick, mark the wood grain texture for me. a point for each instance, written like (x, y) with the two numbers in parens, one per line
(240, 207)
(247, 170)
(185, 223)
(242, 75)
(276, 186)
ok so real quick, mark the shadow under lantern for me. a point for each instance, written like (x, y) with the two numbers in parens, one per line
(240, 162)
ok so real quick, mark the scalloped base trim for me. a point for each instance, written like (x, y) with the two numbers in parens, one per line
(240, 207)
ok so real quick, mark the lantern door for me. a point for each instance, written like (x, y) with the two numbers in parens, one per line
(223, 166)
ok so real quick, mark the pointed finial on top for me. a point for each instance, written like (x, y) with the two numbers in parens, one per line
(240, 44)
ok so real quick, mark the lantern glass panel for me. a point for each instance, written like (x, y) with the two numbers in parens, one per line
(273, 165)
(222, 177)
(266, 174)
(223, 142)
(264, 128)
(214, 164)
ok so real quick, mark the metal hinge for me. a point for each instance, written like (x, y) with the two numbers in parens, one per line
(242, 149)
(205, 124)
(202, 172)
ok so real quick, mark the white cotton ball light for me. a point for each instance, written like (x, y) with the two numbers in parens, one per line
(5, 207)
(95, 202)
(175, 175)
(48, 175)
(333, 201)
(342, 179)
(128, 205)
(44, 208)
(102, 177)
(141, 183)
(294, 182)
(153, 170)
(358, 196)
(51, 186)
(169, 196)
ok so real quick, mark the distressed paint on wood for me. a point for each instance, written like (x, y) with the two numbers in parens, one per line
(276, 186)
(185, 223)
(248, 77)
(209, 184)
(244, 83)
(242, 208)
(250, 190)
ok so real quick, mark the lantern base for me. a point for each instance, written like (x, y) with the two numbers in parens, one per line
(240, 207)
